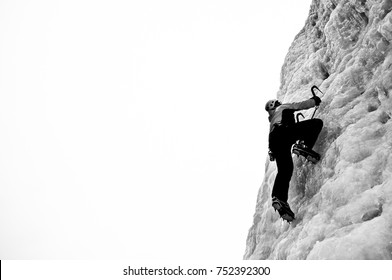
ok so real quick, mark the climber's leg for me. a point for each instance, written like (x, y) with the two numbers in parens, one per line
(285, 166)
(307, 131)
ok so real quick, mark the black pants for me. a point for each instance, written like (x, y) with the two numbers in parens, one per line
(280, 141)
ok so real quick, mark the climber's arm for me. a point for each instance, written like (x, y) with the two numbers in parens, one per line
(307, 104)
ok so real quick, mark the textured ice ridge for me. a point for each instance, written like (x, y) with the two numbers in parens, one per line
(344, 203)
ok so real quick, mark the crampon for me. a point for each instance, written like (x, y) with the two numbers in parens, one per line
(283, 209)
(300, 149)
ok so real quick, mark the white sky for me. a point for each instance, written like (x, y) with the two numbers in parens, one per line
(136, 129)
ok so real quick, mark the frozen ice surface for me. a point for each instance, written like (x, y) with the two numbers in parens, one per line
(343, 204)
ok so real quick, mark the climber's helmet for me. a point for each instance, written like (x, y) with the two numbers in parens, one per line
(272, 104)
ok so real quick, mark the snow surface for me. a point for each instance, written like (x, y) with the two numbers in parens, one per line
(343, 204)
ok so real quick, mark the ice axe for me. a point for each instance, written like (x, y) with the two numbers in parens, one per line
(300, 114)
(312, 89)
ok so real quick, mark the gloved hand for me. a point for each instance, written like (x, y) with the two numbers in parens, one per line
(317, 100)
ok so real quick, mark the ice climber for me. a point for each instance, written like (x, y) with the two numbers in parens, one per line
(284, 132)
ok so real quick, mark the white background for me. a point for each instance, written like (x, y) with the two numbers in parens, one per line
(98, 270)
(136, 129)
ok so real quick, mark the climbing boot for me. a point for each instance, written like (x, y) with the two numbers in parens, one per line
(300, 149)
(283, 209)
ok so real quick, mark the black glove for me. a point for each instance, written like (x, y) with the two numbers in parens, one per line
(317, 100)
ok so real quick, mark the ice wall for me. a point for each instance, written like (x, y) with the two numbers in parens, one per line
(343, 203)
